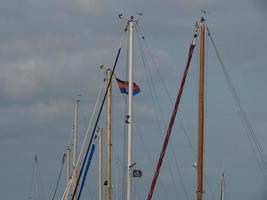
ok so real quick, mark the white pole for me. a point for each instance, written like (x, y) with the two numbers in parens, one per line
(130, 105)
(222, 187)
(75, 128)
(75, 132)
(66, 192)
(35, 176)
(67, 168)
(100, 164)
(108, 137)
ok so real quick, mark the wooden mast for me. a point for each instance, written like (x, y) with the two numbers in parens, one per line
(201, 112)
(108, 137)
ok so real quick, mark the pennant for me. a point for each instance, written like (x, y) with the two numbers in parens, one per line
(123, 85)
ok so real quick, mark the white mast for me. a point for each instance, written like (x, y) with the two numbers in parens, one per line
(130, 105)
(35, 177)
(75, 128)
(68, 176)
(222, 187)
(35, 193)
(108, 137)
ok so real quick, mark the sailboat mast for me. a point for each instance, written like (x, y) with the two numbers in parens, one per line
(201, 112)
(130, 105)
(222, 187)
(75, 128)
(67, 153)
(35, 193)
(108, 136)
(35, 176)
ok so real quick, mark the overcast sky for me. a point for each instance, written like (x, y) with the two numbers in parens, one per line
(50, 51)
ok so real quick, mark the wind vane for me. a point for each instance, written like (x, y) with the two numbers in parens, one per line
(121, 15)
(205, 12)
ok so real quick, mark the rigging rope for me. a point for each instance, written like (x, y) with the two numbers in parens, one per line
(97, 119)
(59, 176)
(171, 123)
(205, 113)
(84, 143)
(178, 117)
(149, 155)
(87, 130)
(35, 187)
(244, 118)
(157, 106)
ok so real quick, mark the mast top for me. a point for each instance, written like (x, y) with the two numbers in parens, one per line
(78, 97)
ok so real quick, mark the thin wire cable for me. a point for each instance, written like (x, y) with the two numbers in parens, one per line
(205, 113)
(149, 154)
(157, 105)
(179, 170)
(36, 180)
(168, 93)
(180, 121)
(244, 118)
(88, 128)
(172, 102)
(98, 116)
(59, 176)
(84, 141)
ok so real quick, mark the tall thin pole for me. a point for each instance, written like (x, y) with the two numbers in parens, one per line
(130, 105)
(201, 113)
(116, 180)
(35, 177)
(75, 130)
(67, 153)
(108, 140)
(100, 163)
(222, 187)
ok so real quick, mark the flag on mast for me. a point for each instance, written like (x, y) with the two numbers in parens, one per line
(123, 85)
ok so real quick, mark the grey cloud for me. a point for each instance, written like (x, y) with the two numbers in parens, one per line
(50, 52)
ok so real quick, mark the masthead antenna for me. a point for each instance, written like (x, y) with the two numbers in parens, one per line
(204, 12)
